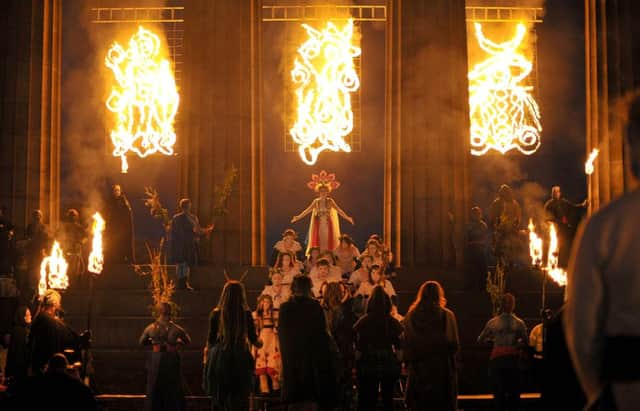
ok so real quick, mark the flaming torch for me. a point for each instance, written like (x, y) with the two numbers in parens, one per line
(503, 113)
(96, 258)
(53, 271)
(535, 246)
(588, 165)
(324, 76)
(557, 274)
(144, 98)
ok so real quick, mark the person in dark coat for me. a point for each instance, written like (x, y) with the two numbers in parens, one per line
(72, 237)
(308, 352)
(7, 244)
(59, 388)
(377, 341)
(119, 228)
(430, 346)
(185, 233)
(18, 355)
(165, 385)
(337, 306)
(477, 248)
(49, 334)
(229, 366)
(505, 216)
(38, 242)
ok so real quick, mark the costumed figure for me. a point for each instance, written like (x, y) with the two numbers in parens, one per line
(119, 228)
(268, 361)
(38, 241)
(229, 366)
(477, 246)
(346, 254)
(375, 278)
(278, 291)
(335, 273)
(324, 228)
(185, 234)
(361, 274)
(288, 266)
(165, 384)
(312, 259)
(72, 237)
(375, 249)
(288, 244)
(563, 213)
(504, 219)
(320, 277)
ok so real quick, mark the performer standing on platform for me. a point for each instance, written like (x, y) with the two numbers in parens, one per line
(119, 228)
(38, 241)
(561, 212)
(324, 228)
(165, 385)
(72, 237)
(505, 216)
(185, 233)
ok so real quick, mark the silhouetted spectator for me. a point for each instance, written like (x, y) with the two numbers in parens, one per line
(377, 352)
(602, 314)
(58, 389)
(508, 334)
(229, 365)
(165, 385)
(8, 306)
(7, 244)
(49, 334)
(18, 355)
(477, 248)
(430, 346)
(308, 362)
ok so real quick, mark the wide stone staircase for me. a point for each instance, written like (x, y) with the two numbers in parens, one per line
(121, 308)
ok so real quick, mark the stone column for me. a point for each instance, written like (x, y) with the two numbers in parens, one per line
(611, 43)
(220, 124)
(428, 132)
(30, 98)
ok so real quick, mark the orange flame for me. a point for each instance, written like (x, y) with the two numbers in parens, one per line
(53, 271)
(144, 98)
(535, 245)
(557, 274)
(96, 258)
(588, 165)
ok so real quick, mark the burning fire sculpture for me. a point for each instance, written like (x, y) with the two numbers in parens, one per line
(503, 113)
(96, 258)
(324, 76)
(556, 273)
(144, 98)
(53, 271)
(588, 165)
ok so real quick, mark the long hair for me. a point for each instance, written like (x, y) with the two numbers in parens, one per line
(332, 295)
(233, 307)
(292, 260)
(430, 296)
(379, 303)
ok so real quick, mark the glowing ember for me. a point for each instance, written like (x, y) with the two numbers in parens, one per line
(324, 76)
(53, 271)
(557, 274)
(503, 113)
(144, 98)
(96, 258)
(588, 165)
(535, 246)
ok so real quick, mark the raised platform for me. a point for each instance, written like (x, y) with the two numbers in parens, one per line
(121, 310)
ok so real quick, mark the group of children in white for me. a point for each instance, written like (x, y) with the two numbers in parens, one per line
(357, 274)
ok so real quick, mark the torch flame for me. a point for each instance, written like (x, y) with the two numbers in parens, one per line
(557, 274)
(324, 75)
(588, 165)
(535, 246)
(504, 115)
(144, 98)
(53, 271)
(96, 258)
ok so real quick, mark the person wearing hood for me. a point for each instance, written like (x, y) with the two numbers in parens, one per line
(430, 344)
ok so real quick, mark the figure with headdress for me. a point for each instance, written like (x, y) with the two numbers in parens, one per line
(324, 227)
(288, 244)
(268, 361)
(165, 384)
